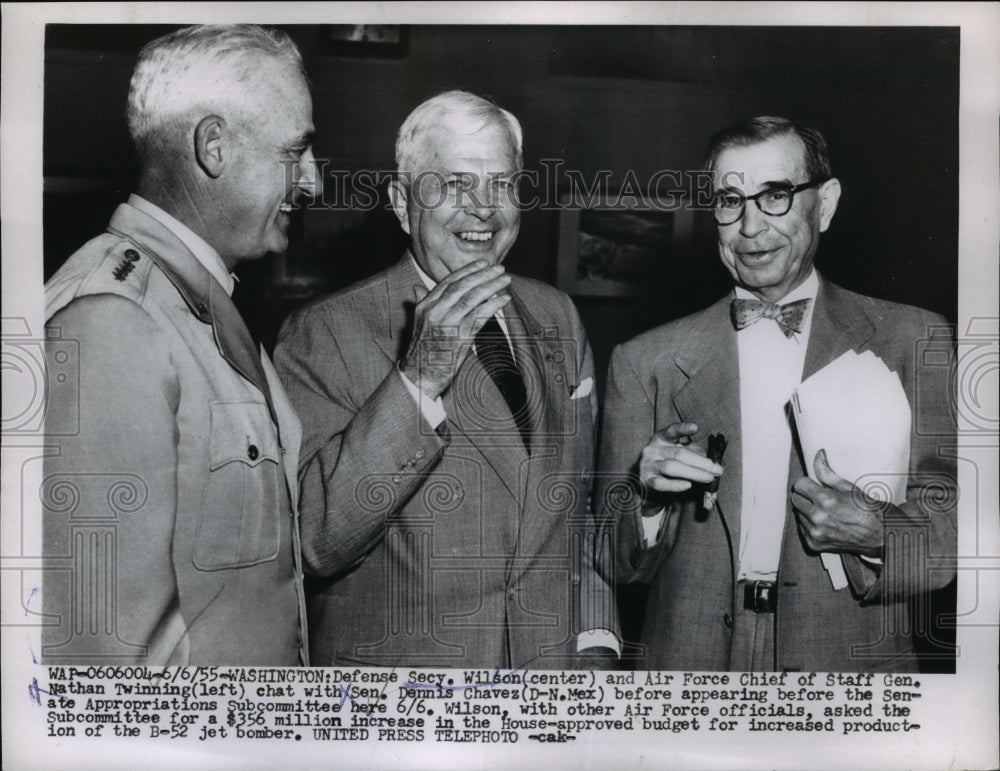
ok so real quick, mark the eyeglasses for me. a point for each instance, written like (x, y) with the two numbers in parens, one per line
(728, 205)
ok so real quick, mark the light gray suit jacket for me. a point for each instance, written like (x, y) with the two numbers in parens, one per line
(688, 370)
(450, 547)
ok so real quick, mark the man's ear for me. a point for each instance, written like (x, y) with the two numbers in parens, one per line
(829, 195)
(209, 145)
(399, 196)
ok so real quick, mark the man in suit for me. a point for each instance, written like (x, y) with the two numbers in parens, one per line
(170, 521)
(737, 582)
(448, 411)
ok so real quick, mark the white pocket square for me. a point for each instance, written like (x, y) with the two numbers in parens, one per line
(583, 390)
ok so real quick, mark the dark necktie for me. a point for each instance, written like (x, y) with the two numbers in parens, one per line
(495, 355)
(242, 299)
(789, 317)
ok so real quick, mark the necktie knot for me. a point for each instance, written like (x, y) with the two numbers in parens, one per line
(789, 316)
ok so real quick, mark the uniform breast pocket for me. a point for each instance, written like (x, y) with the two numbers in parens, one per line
(240, 508)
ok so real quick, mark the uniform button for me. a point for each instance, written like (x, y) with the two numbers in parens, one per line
(419, 454)
(252, 452)
(131, 255)
(396, 479)
(727, 620)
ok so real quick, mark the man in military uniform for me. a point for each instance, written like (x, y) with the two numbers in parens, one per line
(170, 522)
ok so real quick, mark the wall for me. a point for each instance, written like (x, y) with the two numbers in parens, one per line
(620, 99)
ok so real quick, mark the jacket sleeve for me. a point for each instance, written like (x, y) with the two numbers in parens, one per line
(362, 458)
(920, 535)
(110, 488)
(629, 423)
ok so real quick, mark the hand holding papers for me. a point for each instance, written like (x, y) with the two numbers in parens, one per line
(856, 410)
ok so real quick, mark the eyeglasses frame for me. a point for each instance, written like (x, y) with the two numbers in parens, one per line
(756, 199)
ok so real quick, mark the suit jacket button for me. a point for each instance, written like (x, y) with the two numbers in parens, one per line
(727, 620)
(396, 479)
(252, 452)
(419, 454)
(575, 578)
(510, 592)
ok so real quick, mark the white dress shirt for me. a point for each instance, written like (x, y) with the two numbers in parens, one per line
(770, 369)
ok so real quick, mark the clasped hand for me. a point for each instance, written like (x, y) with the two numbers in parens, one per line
(446, 321)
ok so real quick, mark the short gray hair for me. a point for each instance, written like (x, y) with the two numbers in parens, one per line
(457, 111)
(756, 130)
(204, 66)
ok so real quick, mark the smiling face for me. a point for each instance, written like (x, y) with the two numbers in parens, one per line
(769, 255)
(270, 168)
(460, 206)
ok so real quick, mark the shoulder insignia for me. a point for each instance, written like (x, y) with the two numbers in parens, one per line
(127, 265)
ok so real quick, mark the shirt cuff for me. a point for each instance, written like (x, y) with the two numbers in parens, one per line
(877, 561)
(598, 638)
(651, 526)
(431, 409)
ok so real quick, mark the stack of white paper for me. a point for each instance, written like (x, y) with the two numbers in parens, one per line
(856, 410)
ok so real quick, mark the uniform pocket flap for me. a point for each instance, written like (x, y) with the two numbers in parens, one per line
(242, 431)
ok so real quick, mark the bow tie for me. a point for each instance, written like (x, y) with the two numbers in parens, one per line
(788, 317)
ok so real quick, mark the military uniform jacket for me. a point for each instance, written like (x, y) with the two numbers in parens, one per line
(688, 370)
(447, 547)
(170, 525)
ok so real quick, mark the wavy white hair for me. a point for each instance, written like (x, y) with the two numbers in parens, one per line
(205, 67)
(456, 111)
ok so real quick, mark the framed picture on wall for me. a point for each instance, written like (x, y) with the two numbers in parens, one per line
(617, 246)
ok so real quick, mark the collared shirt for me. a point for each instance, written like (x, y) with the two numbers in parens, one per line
(205, 254)
(770, 369)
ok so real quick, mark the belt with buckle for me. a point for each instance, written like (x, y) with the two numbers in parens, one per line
(760, 596)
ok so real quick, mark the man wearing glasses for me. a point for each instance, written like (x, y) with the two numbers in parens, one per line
(732, 546)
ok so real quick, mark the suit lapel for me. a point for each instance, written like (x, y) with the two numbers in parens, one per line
(477, 410)
(711, 398)
(839, 324)
(400, 298)
(542, 363)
